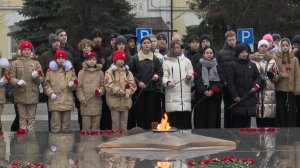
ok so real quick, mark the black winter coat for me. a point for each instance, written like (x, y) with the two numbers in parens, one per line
(100, 50)
(242, 76)
(78, 63)
(189, 54)
(225, 57)
(67, 47)
(144, 70)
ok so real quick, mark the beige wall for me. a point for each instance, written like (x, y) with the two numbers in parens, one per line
(183, 16)
(8, 8)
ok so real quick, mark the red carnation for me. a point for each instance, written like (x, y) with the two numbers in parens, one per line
(127, 86)
(242, 129)
(288, 69)
(228, 158)
(256, 87)
(1, 133)
(272, 129)
(190, 162)
(82, 132)
(21, 131)
(274, 70)
(40, 73)
(207, 161)
(249, 160)
(109, 131)
(7, 78)
(75, 82)
(97, 92)
(195, 73)
(215, 89)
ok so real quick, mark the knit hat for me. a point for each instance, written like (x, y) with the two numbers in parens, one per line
(90, 54)
(239, 48)
(296, 39)
(119, 54)
(96, 33)
(113, 35)
(60, 53)
(204, 37)
(52, 38)
(261, 42)
(276, 36)
(268, 37)
(130, 36)
(25, 44)
(120, 39)
(161, 35)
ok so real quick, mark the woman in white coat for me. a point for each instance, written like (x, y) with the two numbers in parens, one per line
(178, 79)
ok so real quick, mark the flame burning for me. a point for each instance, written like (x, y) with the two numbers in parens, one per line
(164, 124)
(163, 164)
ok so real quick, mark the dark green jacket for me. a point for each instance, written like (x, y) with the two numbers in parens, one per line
(48, 56)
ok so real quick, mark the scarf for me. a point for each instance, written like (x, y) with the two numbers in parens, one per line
(209, 71)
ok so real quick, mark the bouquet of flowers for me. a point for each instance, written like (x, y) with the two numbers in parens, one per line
(23, 165)
(227, 162)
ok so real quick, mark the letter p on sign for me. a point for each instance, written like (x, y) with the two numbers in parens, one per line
(142, 32)
(246, 36)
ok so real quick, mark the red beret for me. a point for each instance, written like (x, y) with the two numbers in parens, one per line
(119, 54)
(90, 54)
(25, 44)
(60, 53)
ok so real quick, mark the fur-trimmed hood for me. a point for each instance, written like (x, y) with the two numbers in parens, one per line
(97, 67)
(261, 57)
(53, 66)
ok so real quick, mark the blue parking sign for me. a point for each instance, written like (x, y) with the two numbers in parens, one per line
(142, 32)
(245, 35)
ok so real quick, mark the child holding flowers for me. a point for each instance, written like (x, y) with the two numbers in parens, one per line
(288, 85)
(120, 86)
(208, 85)
(89, 91)
(58, 86)
(26, 75)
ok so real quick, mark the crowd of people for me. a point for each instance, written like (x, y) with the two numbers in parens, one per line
(119, 87)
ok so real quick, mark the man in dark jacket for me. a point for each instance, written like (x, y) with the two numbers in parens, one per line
(131, 43)
(243, 80)
(63, 38)
(162, 42)
(109, 48)
(226, 56)
(204, 42)
(193, 49)
(48, 56)
(99, 48)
